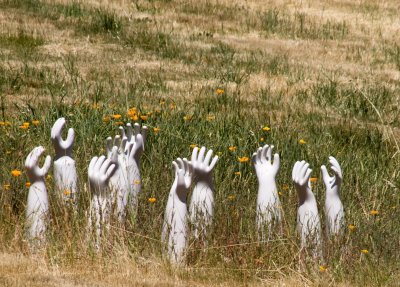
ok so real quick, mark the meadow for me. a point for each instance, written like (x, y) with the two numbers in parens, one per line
(315, 78)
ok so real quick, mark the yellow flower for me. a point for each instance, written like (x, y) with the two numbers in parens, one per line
(152, 199)
(313, 179)
(27, 184)
(95, 106)
(238, 173)
(231, 197)
(6, 186)
(351, 227)
(131, 112)
(266, 129)
(15, 172)
(156, 130)
(144, 118)
(67, 192)
(187, 118)
(285, 186)
(119, 123)
(243, 159)
(7, 123)
(219, 153)
(25, 126)
(210, 118)
(323, 268)
(135, 118)
(106, 119)
(365, 251)
(232, 148)
(220, 91)
(35, 122)
(302, 141)
(137, 182)
(193, 146)
(117, 116)
(2, 123)
(374, 212)
(261, 139)
(280, 193)
(49, 177)
(172, 106)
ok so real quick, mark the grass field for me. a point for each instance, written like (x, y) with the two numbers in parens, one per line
(211, 73)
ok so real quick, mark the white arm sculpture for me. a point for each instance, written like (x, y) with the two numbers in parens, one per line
(65, 175)
(269, 212)
(334, 213)
(99, 172)
(202, 202)
(38, 203)
(119, 182)
(174, 232)
(308, 223)
(136, 138)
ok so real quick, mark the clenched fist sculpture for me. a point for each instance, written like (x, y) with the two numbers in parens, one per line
(174, 233)
(269, 211)
(38, 202)
(66, 179)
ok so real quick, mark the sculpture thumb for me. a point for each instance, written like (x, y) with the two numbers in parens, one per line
(325, 174)
(277, 161)
(69, 142)
(109, 146)
(46, 166)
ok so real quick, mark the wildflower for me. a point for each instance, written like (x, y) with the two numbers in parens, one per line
(220, 91)
(193, 146)
(266, 129)
(156, 130)
(119, 123)
(210, 118)
(135, 118)
(219, 153)
(313, 179)
(243, 159)
(15, 172)
(95, 106)
(231, 197)
(49, 177)
(137, 182)
(187, 118)
(323, 268)
(25, 126)
(365, 251)
(7, 123)
(131, 112)
(144, 118)
(261, 139)
(117, 116)
(172, 106)
(27, 184)
(152, 199)
(280, 193)
(302, 141)
(2, 123)
(374, 212)
(6, 186)
(238, 173)
(232, 148)
(35, 122)
(285, 186)
(67, 192)
(106, 119)
(351, 227)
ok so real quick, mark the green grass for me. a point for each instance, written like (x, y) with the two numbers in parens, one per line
(333, 115)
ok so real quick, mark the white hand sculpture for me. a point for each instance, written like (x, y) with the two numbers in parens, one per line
(65, 175)
(38, 203)
(202, 202)
(99, 172)
(333, 205)
(308, 223)
(119, 182)
(174, 232)
(268, 204)
(135, 142)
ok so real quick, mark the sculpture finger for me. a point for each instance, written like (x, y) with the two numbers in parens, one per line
(129, 131)
(109, 146)
(117, 141)
(136, 128)
(264, 153)
(92, 164)
(213, 163)
(66, 144)
(104, 166)
(144, 134)
(269, 153)
(201, 154)
(208, 157)
(294, 170)
(122, 132)
(176, 167)
(277, 161)
(114, 155)
(99, 163)
(325, 174)
(123, 144)
(254, 158)
(180, 163)
(194, 154)
(186, 165)
(46, 166)
(57, 128)
(111, 170)
(307, 175)
(304, 170)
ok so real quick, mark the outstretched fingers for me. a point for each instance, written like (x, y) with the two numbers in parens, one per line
(194, 154)
(208, 157)
(201, 154)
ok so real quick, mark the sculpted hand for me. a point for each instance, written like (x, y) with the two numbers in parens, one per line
(334, 212)
(66, 179)
(99, 173)
(202, 203)
(38, 203)
(175, 222)
(308, 223)
(268, 204)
